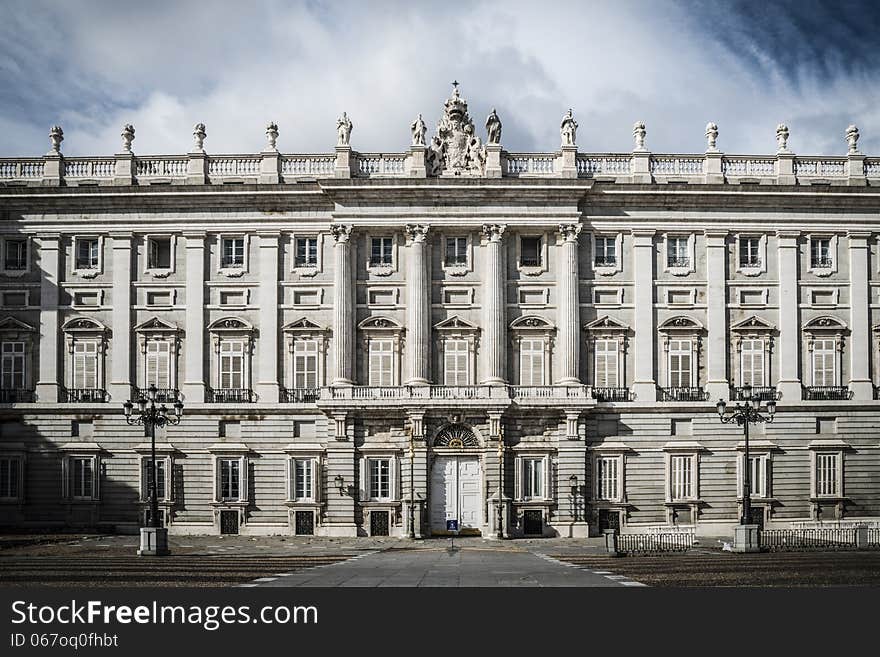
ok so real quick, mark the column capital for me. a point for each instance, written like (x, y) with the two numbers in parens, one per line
(570, 232)
(416, 232)
(340, 232)
(721, 233)
(493, 232)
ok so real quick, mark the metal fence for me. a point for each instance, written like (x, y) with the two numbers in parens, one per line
(652, 543)
(830, 538)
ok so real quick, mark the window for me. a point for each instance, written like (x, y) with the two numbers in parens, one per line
(531, 362)
(232, 365)
(530, 251)
(677, 252)
(158, 364)
(820, 253)
(380, 479)
(381, 249)
(306, 252)
(532, 478)
(455, 363)
(828, 474)
(232, 297)
(608, 478)
(82, 477)
(12, 366)
(162, 298)
(85, 365)
(15, 255)
(758, 475)
(824, 355)
(381, 359)
(159, 253)
(302, 480)
(87, 298)
(305, 364)
(605, 252)
(606, 363)
(752, 362)
(232, 252)
(305, 297)
(456, 251)
(681, 468)
(161, 478)
(749, 251)
(230, 479)
(680, 365)
(10, 478)
(86, 253)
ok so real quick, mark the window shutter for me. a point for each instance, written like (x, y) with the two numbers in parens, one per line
(364, 482)
(740, 459)
(243, 479)
(291, 478)
(394, 474)
(546, 479)
(65, 478)
(96, 478)
(517, 478)
(317, 480)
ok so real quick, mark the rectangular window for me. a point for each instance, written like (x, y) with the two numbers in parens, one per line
(86, 299)
(232, 365)
(305, 364)
(302, 480)
(85, 365)
(381, 250)
(232, 297)
(305, 298)
(10, 475)
(455, 363)
(159, 253)
(15, 255)
(827, 479)
(751, 297)
(533, 478)
(608, 478)
(159, 364)
(680, 366)
(682, 472)
(381, 363)
(15, 299)
(679, 297)
(380, 479)
(758, 475)
(233, 252)
(531, 362)
(677, 252)
(162, 298)
(82, 477)
(12, 366)
(456, 251)
(605, 252)
(530, 251)
(749, 255)
(752, 360)
(230, 479)
(147, 473)
(824, 354)
(606, 363)
(306, 252)
(820, 252)
(86, 253)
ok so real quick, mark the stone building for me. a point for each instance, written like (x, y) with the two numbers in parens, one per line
(360, 339)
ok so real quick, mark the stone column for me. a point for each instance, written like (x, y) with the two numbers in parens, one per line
(717, 384)
(268, 346)
(645, 342)
(49, 348)
(343, 307)
(860, 323)
(418, 308)
(568, 304)
(789, 330)
(121, 349)
(194, 347)
(494, 339)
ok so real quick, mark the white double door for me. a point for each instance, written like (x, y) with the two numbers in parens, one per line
(455, 492)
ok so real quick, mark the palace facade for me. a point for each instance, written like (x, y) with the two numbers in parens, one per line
(369, 344)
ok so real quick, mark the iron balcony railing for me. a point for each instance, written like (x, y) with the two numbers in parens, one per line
(459, 260)
(304, 263)
(163, 395)
(380, 261)
(299, 395)
(605, 262)
(16, 396)
(527, 261)
(686, 393)
(826, 393)
(84, 395)
(821, 262)
(612, 394)
(749, 262)
(764, 393)
(230, 396)
(678, 262)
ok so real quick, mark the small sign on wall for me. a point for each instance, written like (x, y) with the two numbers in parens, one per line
(452, 525)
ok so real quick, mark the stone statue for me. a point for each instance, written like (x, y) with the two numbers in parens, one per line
(127, 137)
(639, 132)
(712, 137)
(419, 130)
(434, 157)
(568, 129)
(493, 128)
(271, 135)
(199, 135)
(782, 138)
(852, 139)
(56, 136)
(343, 130)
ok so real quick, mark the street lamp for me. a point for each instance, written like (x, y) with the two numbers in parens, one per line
(745, 414)
(412, 484)
(501, 482)
(154, 538)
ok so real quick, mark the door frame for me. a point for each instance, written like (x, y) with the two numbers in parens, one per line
(470, 452)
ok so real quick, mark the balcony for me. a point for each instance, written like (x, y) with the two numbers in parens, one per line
(305, 263)
(530, 261)
(457, 260)
(380, 261)
(685, 394)
(764, 393)
(748, 262)
(821, 262)
(229, 396)
(84, 395)
(299, 395)
(826, 393)
(612, 394)
(607, 261)
(16, 396)
(683, 263)
(163, 395)
(550, 392)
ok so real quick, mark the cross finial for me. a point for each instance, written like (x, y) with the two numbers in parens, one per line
(455, 84)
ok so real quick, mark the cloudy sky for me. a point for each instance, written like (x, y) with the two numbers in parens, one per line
(163, 65)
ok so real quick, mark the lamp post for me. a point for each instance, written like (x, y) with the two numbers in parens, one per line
(412, 485)
(745, 414)
(154, 538)
(573, 482)
(501, 482)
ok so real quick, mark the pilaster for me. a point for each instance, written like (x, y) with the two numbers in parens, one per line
(197, 168)
(860, 323)
(53, 170)
(789, 330)
(493, 161)
(568, 320)
(343, 162)
(121, 348)
(194, 364)
(717, 384)
(785, 168)
(494, 340)
(641, 167)
(268, 346)
(645, 340)
(343, 307)
(855, 170)
(270, 167)
(569, 161)
(124, 173)
(417, 167)
(47, 386)
(712, 168)
(418, 309)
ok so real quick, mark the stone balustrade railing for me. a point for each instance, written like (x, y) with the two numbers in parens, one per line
(440, 392)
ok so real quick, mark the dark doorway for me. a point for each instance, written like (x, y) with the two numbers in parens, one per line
(304, 523)
(378, 523)
(533, 522)
(229, 522)
(609, 519)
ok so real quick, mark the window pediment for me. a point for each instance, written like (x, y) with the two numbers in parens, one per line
(753, 324)
(303, 325)
(681, 323)
(825, 324)
(12, 325)
(531, 323)
(156, 325)
(230, 325)
(83, 325)
(606, 324)
(380, 324)
(456, 324)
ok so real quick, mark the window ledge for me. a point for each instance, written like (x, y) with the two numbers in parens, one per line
(679, 271)
(684, 502)
(750, 271)
(231, 272)
(380, 270)
(230, 503)
(822, 272)
(306, 271)
(379, 503)
(530, 271)
(605, 270)
(158, 272)
(456, 270)
(535, 502)
(86, 273)
(15, 273)
(830, 498)
(304, 505)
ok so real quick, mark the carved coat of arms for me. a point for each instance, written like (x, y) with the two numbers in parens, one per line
(456, 149)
